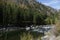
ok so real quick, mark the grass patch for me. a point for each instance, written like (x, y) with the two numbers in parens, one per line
(20, 35)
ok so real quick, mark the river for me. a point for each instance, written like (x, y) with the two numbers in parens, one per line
(44, 29)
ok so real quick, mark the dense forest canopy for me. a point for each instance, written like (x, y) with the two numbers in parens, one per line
(23, 13)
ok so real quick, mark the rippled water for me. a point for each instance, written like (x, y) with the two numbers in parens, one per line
(35, 29)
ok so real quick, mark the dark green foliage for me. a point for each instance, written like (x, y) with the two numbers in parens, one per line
(12, 14)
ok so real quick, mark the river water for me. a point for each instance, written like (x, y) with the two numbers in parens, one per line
(47, 30)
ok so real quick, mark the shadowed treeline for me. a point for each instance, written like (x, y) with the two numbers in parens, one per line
(14, 15)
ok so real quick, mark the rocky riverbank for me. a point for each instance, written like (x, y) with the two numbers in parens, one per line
(51, 35)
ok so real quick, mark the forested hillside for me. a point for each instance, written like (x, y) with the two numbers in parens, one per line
(26, 12)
